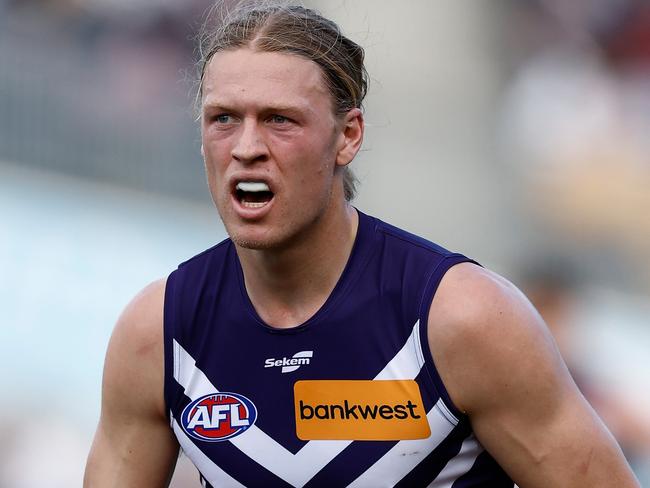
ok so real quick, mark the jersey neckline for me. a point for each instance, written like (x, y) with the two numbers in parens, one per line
(359, 256)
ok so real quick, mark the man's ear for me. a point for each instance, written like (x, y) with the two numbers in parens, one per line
(351, 137)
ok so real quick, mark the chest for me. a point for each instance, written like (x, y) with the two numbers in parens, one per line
(327, 403)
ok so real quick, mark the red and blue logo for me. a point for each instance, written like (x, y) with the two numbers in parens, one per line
(218, 416)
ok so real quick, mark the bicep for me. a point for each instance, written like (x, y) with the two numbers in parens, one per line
(536, 423)
(511, 381)
(134, 445)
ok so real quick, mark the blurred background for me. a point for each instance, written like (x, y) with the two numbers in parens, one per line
(517, 132)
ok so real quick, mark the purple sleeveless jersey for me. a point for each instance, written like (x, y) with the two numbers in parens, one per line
(349, 398)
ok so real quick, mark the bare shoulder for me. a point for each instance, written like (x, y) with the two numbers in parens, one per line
(134, 445)
(144, 312)
(479, 324)
(468, 292)
(501, 367)
(134, 360)
(142, 319)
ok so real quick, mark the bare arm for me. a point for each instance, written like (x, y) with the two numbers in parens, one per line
(133, 445)
(501, 367)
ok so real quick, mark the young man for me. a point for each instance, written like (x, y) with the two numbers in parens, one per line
(319, 346)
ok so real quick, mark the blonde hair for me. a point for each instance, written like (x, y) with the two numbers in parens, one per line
(273, 26)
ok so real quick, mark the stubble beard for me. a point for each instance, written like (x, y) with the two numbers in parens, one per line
(284, 236)
(240, 235)
(257, 245)
(279, 240)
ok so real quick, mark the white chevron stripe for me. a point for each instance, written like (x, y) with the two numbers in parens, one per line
(191, 378)
(297, 469)
(459, 465)
(405, 455)
(418, 344)
(255, 443)
(210, 471)
(405, 365)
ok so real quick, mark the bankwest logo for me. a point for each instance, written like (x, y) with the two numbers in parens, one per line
(288, 365)
(360, 410)
(349, 411)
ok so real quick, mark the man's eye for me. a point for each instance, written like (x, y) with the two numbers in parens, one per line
(223, 119)
(278, 119)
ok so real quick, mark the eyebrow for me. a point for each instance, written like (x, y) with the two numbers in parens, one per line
(209, 105)
(215, 105)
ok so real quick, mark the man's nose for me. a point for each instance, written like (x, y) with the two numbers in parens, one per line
(250, 146)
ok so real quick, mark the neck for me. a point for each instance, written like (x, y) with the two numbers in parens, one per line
(287, 286)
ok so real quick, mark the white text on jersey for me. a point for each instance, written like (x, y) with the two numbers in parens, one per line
(288, 365)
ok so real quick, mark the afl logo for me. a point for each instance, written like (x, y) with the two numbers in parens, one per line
(218, 416)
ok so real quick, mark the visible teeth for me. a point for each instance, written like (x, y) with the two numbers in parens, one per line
(254, 204)
(252, 186)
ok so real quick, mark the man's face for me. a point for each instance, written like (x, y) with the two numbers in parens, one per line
(270, 142)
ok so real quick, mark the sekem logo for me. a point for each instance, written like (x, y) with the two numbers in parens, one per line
(218, 416)
(289, 365)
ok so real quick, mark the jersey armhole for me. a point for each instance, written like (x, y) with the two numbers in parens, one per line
(430, 289)
(169, 332)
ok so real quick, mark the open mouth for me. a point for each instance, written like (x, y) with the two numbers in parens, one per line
(253, 194)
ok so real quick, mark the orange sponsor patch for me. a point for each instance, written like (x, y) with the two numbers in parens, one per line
(359, 410)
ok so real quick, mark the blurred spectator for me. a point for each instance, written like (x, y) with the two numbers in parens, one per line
(577, 125)
(576, 130)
